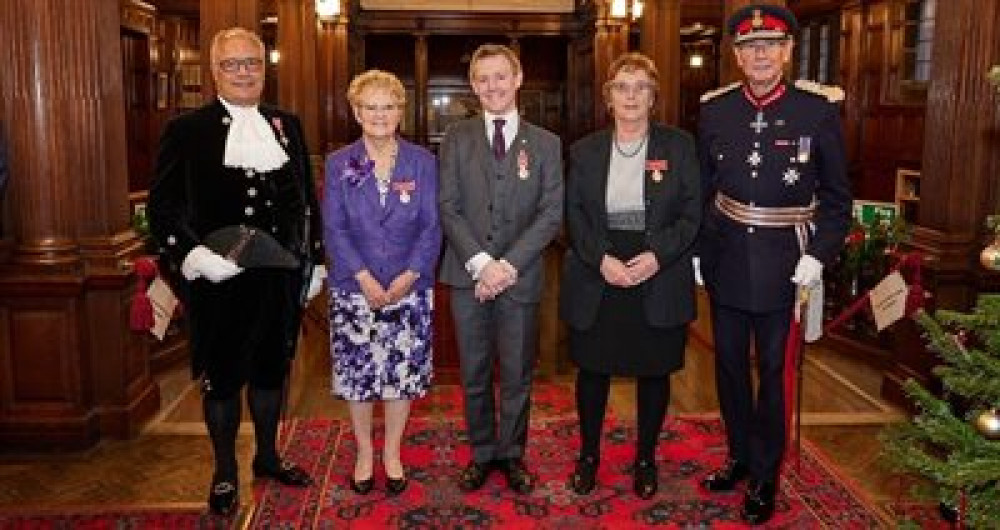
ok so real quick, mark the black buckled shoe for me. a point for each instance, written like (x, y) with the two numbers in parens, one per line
(645, 481)
(287, 473)
(474, 475)
(584, 477)
(519, 479)
(758, 504)
(726, 477)
(223, 498)
(395, 486)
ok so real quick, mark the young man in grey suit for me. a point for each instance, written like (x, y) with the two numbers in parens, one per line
(500, 200)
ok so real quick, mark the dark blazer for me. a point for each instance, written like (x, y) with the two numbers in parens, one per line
(484, 209)
(362, 234)
(194, 194)
(673, 214)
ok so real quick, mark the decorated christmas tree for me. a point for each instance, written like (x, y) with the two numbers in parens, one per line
(954, 440)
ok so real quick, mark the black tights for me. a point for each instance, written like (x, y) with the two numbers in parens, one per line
(652, 396)
(222, 416)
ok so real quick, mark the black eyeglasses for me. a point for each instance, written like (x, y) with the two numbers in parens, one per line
(232, 66)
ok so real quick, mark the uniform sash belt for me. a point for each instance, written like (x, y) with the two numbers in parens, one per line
(797, 217)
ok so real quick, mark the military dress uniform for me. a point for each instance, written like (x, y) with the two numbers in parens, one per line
(775, 186)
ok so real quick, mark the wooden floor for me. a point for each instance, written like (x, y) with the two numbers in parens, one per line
(169, 464)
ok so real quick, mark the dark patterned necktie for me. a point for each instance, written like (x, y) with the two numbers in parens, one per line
(499, 145)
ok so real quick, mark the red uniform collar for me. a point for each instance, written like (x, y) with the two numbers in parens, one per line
(766, 99)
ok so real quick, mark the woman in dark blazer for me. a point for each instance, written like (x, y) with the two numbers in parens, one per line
(382, 232)
(633, 207)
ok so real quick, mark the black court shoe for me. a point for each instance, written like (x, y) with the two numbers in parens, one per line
(286, 473)
(726, 477)
(395, 486)
(361, 487)
(223, 497)
(584, 477)
(645, 481)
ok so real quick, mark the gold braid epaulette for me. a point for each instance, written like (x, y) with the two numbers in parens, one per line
(833, 94)
(711, 94)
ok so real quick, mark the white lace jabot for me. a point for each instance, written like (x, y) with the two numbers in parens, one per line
(251, 143)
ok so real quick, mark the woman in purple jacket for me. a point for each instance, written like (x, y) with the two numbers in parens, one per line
(383, 238)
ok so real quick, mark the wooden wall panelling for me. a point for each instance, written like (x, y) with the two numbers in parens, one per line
(660, 40)
(217, 15)
(334, 71)
(298, 90)
(68, 266)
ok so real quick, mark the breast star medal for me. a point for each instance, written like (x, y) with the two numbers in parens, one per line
(657, 167)
(522, 165)
(791, 176)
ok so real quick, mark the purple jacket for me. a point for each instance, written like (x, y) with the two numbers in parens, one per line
(362, 234)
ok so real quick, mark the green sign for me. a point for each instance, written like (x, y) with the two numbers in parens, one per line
(867, 212)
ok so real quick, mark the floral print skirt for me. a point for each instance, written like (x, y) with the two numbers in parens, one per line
(381, 354)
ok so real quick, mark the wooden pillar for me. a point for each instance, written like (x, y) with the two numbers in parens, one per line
(420, 81)
(660, 40)
(729, 71)
(961, 154)
(217, 15)
(610, 41)
(298, 91)
(71, 371)
(334, 68)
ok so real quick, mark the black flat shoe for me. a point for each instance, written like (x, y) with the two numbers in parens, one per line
(645, 482)
(584, 477)
(286, 473)
(395, 486)
(726, 477)
(519, 479)
(758, 504)
(474, 475)
(223, 497)
(361, 487)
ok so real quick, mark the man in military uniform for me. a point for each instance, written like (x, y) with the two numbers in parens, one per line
(233, 163)
(778, 208)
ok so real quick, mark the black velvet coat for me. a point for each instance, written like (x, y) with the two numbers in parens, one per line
(254, 316)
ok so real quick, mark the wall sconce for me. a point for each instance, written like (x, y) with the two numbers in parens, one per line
(274, 56)
(696, 60)
(619, 8)
(327, 9)
(636, 9)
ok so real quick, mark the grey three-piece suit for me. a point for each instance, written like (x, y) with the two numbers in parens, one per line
(510, 209)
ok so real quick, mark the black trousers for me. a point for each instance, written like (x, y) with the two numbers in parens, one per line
(755, 427)
(652, 397)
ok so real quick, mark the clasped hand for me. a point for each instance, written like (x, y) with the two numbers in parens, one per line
(631, 273)
(496, 277)
(378, 296)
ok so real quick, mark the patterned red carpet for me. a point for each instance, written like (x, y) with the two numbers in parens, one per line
(114, 519)
(811, 497)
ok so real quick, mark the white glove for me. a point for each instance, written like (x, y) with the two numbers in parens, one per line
(808, 272)
(696, 264)
(202, 262)
(316, 283)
